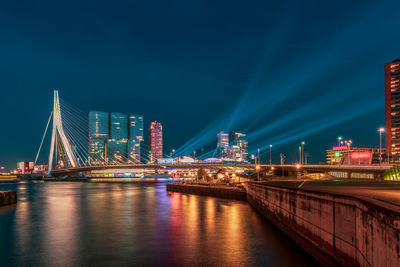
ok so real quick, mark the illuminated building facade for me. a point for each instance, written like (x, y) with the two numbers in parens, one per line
(344, 155)
(114, 138)
(135, 137)
(25, 167)
(98, 124)
(98, 136)
(156, 145)
(118, 126)
(134, 151)
(239, 140)
(97, 151)
(231, 153)
(392, 110)
(222, 139)
(117, 151)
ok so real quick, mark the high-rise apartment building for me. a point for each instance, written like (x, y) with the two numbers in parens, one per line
(156, 146)
(392, 110)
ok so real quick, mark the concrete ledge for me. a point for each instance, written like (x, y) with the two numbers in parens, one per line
(317, 252)
(8, 198)
(335, 229)
(212, 191)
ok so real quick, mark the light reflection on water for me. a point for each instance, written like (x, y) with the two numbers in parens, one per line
(99, 224)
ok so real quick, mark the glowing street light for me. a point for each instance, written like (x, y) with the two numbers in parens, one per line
(258, 172)
(339, 139)
(302, 151)
(270, 153)
(300, 154)
(381, 130)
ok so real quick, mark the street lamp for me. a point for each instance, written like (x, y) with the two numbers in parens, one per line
(339, 139)
(258, 152)
(299, 154)
(258, 172)
(381, 130)
(270, 154)
(302, 151)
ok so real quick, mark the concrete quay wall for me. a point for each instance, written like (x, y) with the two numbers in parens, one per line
(8, 198)
(212, 191)
(335, 229)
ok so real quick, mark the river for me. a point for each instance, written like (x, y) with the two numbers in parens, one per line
(132, 224)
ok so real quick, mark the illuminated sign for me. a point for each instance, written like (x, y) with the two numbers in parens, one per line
(337, 154)
(360, 155)
(339, 147)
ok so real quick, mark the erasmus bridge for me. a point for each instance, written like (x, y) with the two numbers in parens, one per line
(69, 155)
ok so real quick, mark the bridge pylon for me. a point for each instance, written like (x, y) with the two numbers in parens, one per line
(59, 142)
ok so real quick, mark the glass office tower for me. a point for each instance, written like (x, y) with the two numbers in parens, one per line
(114, 138)
(98, 124)
(133, 151)
(97, 151)
(117, 151)
(118, 126)
(98, 135)
(135, 136)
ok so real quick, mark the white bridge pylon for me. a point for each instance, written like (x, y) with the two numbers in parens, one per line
(59, 141)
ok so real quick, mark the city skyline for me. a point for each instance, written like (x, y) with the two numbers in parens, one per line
(335, 86)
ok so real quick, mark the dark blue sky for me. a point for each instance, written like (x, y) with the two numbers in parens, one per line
(283, 71)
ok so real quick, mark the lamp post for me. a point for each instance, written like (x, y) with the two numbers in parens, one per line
(258, 152)
(339, 139)
(299, 154)
(270, 154)
(348, 144)
(302, 151)
(258, 172)
(381, 130)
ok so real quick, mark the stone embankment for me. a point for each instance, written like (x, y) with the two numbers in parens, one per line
(235, 193)
(336, 229)
(8, 198)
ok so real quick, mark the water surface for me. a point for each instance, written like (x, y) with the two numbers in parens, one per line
(116, 224)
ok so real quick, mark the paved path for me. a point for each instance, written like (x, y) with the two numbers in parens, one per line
(387, 192)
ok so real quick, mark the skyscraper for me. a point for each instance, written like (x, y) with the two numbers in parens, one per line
(239, 140)
(156, 146)
(222, 139)
(392, 110)
(118, 126)
(118, 141)
(135, 137)
(98, 136)
(114, 138)
(136, 127)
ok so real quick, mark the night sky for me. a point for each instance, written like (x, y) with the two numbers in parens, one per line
(282, 71)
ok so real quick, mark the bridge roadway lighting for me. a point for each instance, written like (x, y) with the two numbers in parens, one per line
(381, 130)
